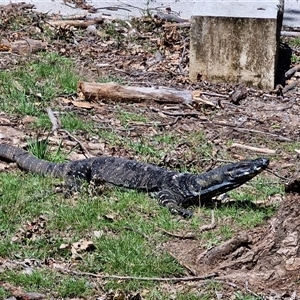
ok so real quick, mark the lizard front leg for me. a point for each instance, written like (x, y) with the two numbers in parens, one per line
(168, 199)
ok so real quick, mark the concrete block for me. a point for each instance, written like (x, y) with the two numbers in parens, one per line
(236, 42)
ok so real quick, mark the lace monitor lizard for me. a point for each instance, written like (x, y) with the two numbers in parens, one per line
(175, 190)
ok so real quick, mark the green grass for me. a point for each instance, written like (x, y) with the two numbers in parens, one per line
(295, 59)
(27, 90)
(242, 296)
(41, 280)
(110, 78)
(295, 41)
(127, 117)
(71, 122)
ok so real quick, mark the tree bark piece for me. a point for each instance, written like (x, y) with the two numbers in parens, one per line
(290, 86)
(91, 91)
(239, 94)
(220, 251)
(26, 46)
(291, 72)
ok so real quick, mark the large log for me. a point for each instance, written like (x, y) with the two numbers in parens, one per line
(91, 91)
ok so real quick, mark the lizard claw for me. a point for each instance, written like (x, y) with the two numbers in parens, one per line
(181, 211)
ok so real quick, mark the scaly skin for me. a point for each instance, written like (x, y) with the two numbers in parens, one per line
(174, 190)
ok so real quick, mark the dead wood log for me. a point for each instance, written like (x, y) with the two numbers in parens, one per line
(220, 251)
(290, 33)
(290, 86)
(91, 91)
(239, 94)
(22, 47)
(291, 72)
(75, 23)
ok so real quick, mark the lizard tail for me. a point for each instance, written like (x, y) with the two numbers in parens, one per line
(30, 163)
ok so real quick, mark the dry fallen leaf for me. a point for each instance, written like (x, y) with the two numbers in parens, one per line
(119, 295)
(83, 245)
(82, 104)
(98, 233)
(29, 119)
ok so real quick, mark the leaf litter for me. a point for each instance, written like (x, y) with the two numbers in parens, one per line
(151, 52)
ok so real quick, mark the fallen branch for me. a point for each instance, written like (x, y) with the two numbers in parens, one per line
(92, 91)
(251, 148)
(177, 279)
(76, 23)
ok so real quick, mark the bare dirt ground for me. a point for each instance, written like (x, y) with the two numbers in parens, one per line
(143, 52)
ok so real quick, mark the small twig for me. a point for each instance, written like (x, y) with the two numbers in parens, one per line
(283, 138)
(54, 121)
(275, 174)
(190, 269)
(176, 114)
(212, 224)
(83, 149)
(193, 278)
(169, 124)
(224, 280)
(215, 95)
(251, 148)
(179, 236)
(250, 291)
(271, 96)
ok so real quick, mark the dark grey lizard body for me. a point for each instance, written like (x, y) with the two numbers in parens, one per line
(173, 190)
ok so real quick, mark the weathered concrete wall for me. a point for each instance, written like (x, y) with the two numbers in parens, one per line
(235, 49)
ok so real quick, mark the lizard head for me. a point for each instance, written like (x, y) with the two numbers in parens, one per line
(245, 170)
(223, 179)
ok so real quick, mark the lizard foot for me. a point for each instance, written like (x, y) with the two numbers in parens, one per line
(181, 211)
